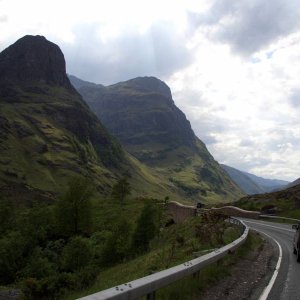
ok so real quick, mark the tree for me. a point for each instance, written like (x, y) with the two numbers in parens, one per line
(166, 200)
(37, 224)
(147, 228)
(121, 189)
(117, 246)
(7, 215)
(77, 254)
(74, 207)
(13, 248)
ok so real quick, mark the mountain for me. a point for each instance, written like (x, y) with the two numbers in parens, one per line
(143, 116)
(294, 183)
(48, 134)
(243, 181)
(268, 185)
(252, 184)
(78, 83)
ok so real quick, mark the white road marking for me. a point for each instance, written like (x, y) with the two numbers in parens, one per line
(268, 288)
(263, 224)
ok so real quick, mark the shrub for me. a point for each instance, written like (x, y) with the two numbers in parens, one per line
(117, 246)
(77, 254)
(38, 266)
(12, 251)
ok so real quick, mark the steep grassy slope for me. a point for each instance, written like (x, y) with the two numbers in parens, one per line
(48, 134)
(41, 145)
(142, 115)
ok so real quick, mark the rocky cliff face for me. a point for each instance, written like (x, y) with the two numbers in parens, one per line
(143, 116)
(141, 112)
(47, 132)
(33, 58)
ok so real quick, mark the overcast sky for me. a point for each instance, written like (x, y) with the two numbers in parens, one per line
(233, 65)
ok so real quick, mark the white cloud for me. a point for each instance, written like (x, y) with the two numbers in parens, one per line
(246, 105)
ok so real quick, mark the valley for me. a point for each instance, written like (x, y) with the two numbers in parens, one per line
(87, 170)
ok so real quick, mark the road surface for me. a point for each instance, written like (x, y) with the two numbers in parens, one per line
(287, 283)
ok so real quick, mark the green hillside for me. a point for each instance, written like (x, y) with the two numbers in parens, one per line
(49, 135)
(143, 116)
(285, 203)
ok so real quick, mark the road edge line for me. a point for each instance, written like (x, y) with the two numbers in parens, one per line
(268, 288)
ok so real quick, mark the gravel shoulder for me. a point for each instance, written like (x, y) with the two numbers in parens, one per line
(248, 276)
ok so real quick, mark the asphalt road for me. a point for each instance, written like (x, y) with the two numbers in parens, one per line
(287, 283)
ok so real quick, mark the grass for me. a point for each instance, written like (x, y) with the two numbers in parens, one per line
(191, 287)
(173, 246)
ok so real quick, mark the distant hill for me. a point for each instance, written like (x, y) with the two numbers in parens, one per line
(268, 185)
(143, 116)
(294, 183)
(252, 184)
(284, 202)
(243, 181)
(78, 83)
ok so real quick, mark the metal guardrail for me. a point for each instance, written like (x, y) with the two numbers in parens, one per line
(147, 286)
(277, 217)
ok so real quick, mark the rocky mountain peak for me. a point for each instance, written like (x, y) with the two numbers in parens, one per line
(31, 59)
(149, 84)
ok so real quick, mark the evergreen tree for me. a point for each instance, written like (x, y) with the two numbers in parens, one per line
(7, 215)
(77, 254)
(147, 228)
(117, 247)
(121, 190)
(74, 208)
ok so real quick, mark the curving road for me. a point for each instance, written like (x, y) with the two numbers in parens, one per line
(287, 282)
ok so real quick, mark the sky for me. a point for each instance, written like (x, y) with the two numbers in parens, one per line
(233, 65)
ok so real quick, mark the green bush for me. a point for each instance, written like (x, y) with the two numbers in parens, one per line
(86, 276)
(7, 215)
(52, 287)
(53, 250)
(36, 224)
(13, 248)
(38, 266)
(77, 254)
(117, 246)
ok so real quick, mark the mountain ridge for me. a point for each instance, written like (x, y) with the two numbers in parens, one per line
(252, 184)
(151, 127)
(48, 133)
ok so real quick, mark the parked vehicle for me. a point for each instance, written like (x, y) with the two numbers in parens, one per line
(200, 205)
(296, 242)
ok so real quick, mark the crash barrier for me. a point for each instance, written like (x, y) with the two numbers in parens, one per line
(147, 286)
